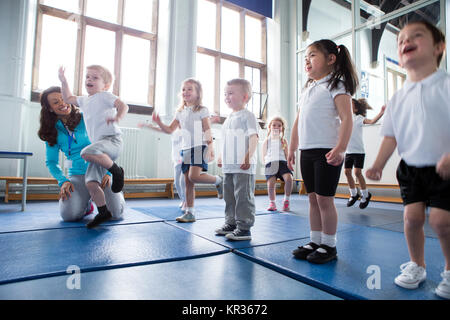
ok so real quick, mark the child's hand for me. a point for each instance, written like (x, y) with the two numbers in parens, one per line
(443, 167)
(334, 157)
(106, 181)
(291, 161)
(112, 120)
(156, 118)
(219, 162)
(61, 75)
(215, 119)
(246, 164)
(374, 174)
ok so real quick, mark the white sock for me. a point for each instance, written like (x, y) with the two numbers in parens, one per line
(315, 236)
(190, 209)
(365, 194)
(353, 192)
(287, 198)
(218, 180)
(328, 239)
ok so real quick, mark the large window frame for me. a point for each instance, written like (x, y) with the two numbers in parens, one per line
(242, 61)
(120, 31)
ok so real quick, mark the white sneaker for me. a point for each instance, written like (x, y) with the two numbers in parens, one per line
(411, 275)
(443, 289)
(187, 217)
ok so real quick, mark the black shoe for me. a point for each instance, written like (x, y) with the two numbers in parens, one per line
(352, 200)
(118, 180)
(302, 252)
(363, 205)
(98, 219)
(320, 257)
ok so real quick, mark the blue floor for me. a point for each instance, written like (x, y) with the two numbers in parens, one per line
(148, 255)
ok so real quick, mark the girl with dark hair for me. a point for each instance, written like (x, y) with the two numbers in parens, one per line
(321, 131)
(355, 153)
(62, 128)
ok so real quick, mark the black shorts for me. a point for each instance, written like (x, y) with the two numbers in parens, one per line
(423, 185)
(319, 176)
(194, 157)
(354, 160)
(277, 169)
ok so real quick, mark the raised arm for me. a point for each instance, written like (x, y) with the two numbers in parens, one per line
(67, 95)
(377, 117)
(165, 128)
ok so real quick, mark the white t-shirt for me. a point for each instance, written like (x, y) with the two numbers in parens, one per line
(191, 126)
(318, 123)
(274, 151)
(96, 109)
(236, 132)
(177, 141)
(356, 144)
(418, 116)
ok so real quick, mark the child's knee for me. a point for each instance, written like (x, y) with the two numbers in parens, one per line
(414, 219)
(440, 222)
(348, 172)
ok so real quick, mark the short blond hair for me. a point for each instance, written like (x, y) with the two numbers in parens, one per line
(104, 72)
(244, 84)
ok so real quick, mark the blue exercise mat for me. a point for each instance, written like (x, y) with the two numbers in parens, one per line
(225, 276)
(43, 220)
(269, 228)
(27, 255)
(364, 253)
(170, 213)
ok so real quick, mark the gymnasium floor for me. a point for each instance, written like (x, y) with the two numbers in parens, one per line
(148, 255)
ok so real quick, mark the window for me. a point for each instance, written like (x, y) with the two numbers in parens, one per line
(118, 34)
(231, 43)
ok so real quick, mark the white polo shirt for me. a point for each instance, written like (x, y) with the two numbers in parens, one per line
(318, 123)
(236, 132)
(418, 116)
(356, 144)
(96, 109)
(191, 127)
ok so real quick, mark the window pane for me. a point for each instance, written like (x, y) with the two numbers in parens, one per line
(253, 37)
(135, 70)
(105, 10)
(230, 31)
(254, 76)
(57, 50)
(229, 70)
(206, 75)
(206, 27)
(99, 49)
(138, 14)
(68, 5)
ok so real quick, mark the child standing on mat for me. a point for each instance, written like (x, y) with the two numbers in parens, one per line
(321, 131)
(102, 111)
(275, 149)
(177, 161)
(197, 148)
(355, 153)
(417, 123)
(238, 162)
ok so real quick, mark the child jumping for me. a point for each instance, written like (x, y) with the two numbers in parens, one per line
(238, 162)
(356, 154)
(275, 149)
(197, 149)
(321, 131)
(417, 123)
(101, 111)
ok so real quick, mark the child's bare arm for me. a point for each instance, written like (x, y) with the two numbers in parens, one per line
(294, 144)
(67, 95)
(387, 147)
(377, 117)
(252, 145)
(443, 167)
(165, 128)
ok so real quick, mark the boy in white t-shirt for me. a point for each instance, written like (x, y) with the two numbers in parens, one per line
(101, 111)
(238, 162)
(355, 154)
(417, 123)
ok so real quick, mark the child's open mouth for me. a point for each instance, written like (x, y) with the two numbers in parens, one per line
(409, 49)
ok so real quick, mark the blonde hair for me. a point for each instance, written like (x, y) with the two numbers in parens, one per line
(283, 129)
(198, 88)
(104, 73)
(244, 84)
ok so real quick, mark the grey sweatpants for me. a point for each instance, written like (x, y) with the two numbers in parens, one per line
(74, 208)
(239, 196)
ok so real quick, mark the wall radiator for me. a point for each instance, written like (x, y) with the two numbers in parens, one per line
(129, 157)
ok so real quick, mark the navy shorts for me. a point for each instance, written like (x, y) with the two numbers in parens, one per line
(277, 169)
(319, 176)
(354, 160)
(423, 185)
(194, 157)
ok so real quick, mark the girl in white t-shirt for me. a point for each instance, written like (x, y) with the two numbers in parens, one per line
(321, 131)
(355, 153)
(275, 149)
(197, 147)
